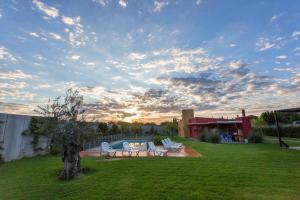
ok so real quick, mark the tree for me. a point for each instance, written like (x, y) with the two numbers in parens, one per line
(103, 127)
(114, 129)
(65, 125)
(124, 127)
(258, 123)
(170, 128)
(268, 117)
(136, 128)
(152, 131)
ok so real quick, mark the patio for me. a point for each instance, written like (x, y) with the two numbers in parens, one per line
(186, 151)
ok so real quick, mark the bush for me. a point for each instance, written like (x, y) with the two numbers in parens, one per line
(215, 136)
(212, 136)
(157, 140)
(204, 135)
(256, 137)
(293, 132)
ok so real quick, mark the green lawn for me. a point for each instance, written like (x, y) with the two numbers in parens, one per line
(289, 141)
(226, 171)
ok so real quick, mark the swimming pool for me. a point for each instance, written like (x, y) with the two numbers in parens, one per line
(140, 144)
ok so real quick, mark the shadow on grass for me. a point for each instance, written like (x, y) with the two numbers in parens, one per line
(86, 171)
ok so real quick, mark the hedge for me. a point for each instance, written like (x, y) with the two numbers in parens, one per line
(293, 132)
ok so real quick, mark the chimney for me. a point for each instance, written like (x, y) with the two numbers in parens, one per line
(243, 113)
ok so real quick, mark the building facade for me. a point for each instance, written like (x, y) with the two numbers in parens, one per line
(183, 124)
(190, 126)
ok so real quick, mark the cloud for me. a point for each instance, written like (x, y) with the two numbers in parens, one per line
(48, 10)
(76, 33)
(15, 75)
(15, 108)
(232, 45)
(5, 55)
(237, 64)
(158, 5)
(34, 34)
(13, 86)
(70, 21)
(264, 44)
(296, 34)
(39, 57)
(275, 17)
(102, 2)
(75, 57)
(123, 3)
(55, 36)
(286, 69)
(136, 56)
(199, 2)
(296, 79)
(282, 57)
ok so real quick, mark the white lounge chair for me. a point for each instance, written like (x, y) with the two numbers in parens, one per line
(106, 148)
(170, 146)
(153, 149)
(168, 140)
(129, 149)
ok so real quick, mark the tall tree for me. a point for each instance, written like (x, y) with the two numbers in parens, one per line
(171, 128)
(268, 117)
(103, 128)
(114, 129)
(65, 124)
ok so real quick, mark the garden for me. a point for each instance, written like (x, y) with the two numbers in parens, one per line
(230, 171)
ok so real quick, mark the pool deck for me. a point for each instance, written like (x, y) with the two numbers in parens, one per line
(186, 151)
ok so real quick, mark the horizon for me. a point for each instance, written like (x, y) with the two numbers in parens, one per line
(147, 60)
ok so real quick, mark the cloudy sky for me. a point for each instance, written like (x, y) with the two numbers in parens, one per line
(148, 59)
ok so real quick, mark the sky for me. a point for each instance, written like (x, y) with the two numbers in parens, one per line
(146, 60)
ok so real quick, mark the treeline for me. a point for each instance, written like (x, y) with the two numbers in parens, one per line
(285, 118)
(293, 132)
(262, 124)
(112, 128)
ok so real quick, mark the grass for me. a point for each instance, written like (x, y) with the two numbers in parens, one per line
(289, 141)
(226, 171)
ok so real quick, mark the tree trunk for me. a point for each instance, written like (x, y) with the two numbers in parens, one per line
(71, 159)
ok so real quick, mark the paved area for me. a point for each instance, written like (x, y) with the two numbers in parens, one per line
(186, 151)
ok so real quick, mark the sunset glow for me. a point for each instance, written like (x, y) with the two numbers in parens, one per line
(147, 60)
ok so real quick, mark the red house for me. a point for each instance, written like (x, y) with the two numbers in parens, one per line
(239, 128)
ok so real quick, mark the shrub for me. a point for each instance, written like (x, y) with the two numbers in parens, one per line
(293, 132)
(256, 137)
(204, 135)
(157, 140)
(215, 136)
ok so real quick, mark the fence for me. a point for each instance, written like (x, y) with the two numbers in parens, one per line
(111, 138)
(14, 144)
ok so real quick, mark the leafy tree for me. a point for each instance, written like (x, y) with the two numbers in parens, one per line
(65, 125)
(114, 129)
(103, 128)
(170, 128)
(268, 117)
(153, 131)
(124, 127)
(258, 123)
(136, 128)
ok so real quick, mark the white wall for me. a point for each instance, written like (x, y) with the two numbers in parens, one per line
(16, 145)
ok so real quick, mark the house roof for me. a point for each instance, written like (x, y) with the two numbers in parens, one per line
(217, 122)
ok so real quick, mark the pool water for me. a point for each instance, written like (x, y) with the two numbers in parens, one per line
(137, 144)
